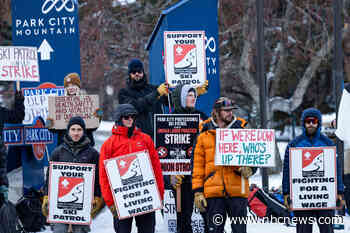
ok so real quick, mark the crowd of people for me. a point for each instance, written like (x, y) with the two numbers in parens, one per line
(214, 190)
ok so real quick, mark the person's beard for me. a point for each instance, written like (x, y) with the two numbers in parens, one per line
(311, 131)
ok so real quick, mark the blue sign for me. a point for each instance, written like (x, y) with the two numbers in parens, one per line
(189, 15)
(52, 27)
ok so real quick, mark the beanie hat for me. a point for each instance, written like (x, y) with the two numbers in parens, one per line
(76, 120)
(135, 65)
(124, 110)
(72, 78)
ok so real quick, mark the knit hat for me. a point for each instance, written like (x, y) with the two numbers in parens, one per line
(76, 120)
(124, 110)
(135, 65)
(72, 78)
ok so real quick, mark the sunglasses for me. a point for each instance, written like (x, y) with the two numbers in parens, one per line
(136, 71)
(311, 120)
(129, 117)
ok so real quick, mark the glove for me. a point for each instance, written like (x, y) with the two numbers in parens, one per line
(176, 181)
(97, 205)
(19, 96)
(45, 206)
(287, 201)
(98, 113)
(340, 202)
(49, 123)
(199, 201)
(202, 89)
(113, 211)
(163, 89)
(4, 190)
(246, 172)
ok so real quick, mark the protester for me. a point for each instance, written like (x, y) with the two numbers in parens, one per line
(184, 99)
(311, 137)
(219, 190)
(76, 148)
(127, 138)
(72, 88)
(146, 98)
(8, 116)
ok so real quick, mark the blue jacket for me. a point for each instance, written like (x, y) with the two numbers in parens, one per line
(319, 140)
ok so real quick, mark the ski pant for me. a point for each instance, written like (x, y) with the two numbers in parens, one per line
(145, 224)
(317, 214)
(63, 228)
(184, 217)
(219, 208)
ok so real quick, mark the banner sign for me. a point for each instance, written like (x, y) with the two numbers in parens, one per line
(169, 211)
(313, 180)
(71, 191)
(185, 58)
(19, 64)
(245, 147)
(62, 108)
(174, 138)
(36, 100)
(133, 184)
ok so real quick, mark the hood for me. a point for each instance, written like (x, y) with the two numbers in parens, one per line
(311, 112)
(179, 95)
(123, 110)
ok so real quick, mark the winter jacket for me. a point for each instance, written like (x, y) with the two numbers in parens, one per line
(216, 181)
(9, 116)
(145, 98)
(120, 144)
(318, 140)
(76, 152)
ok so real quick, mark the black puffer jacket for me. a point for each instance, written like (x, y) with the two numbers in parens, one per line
(144, 97)
(79, 152)
(9, 116)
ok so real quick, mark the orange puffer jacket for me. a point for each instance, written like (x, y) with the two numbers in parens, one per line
(216, 181)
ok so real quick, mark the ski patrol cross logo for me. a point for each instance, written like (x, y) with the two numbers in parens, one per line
(313, 163)
(129, 169)
(70, 193)
(185, 58)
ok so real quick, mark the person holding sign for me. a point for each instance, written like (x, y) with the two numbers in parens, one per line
(219, 190)
(72, 88)
(127, 138)
(76, 148)
(184, 99)
(311, 121)
(8, 116)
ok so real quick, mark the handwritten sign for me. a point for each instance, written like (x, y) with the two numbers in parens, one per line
(185, 60)
(313, 180)
(71, 190)
(19, 64)
(245, 147)
(133, 184)
(62, 108)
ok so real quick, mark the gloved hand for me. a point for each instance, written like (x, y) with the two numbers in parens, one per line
(49, 123)
(163, 89)
(4, 190)
(97, 205)
(98, 113)
(246, 172)
(340, 201)
(176, 181)
(287, 201)
(45, 206)
(19, 96)
(202, 89)
(113, 211)
(199, 201)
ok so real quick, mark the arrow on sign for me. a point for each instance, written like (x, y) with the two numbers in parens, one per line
(45, 50)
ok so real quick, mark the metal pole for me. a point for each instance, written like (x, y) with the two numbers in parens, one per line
(338, 68)
(261, 77)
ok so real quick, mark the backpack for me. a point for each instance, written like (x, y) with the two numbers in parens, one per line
(265, 205)
(9, 220)
(29, 211)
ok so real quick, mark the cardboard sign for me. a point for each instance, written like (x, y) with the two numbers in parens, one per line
(174, 138)
(71, 192)
(19, 64)
(36, 100)
(185, 60)
(313, 180)
(133, 184)
(62, 108)
(245, 147)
